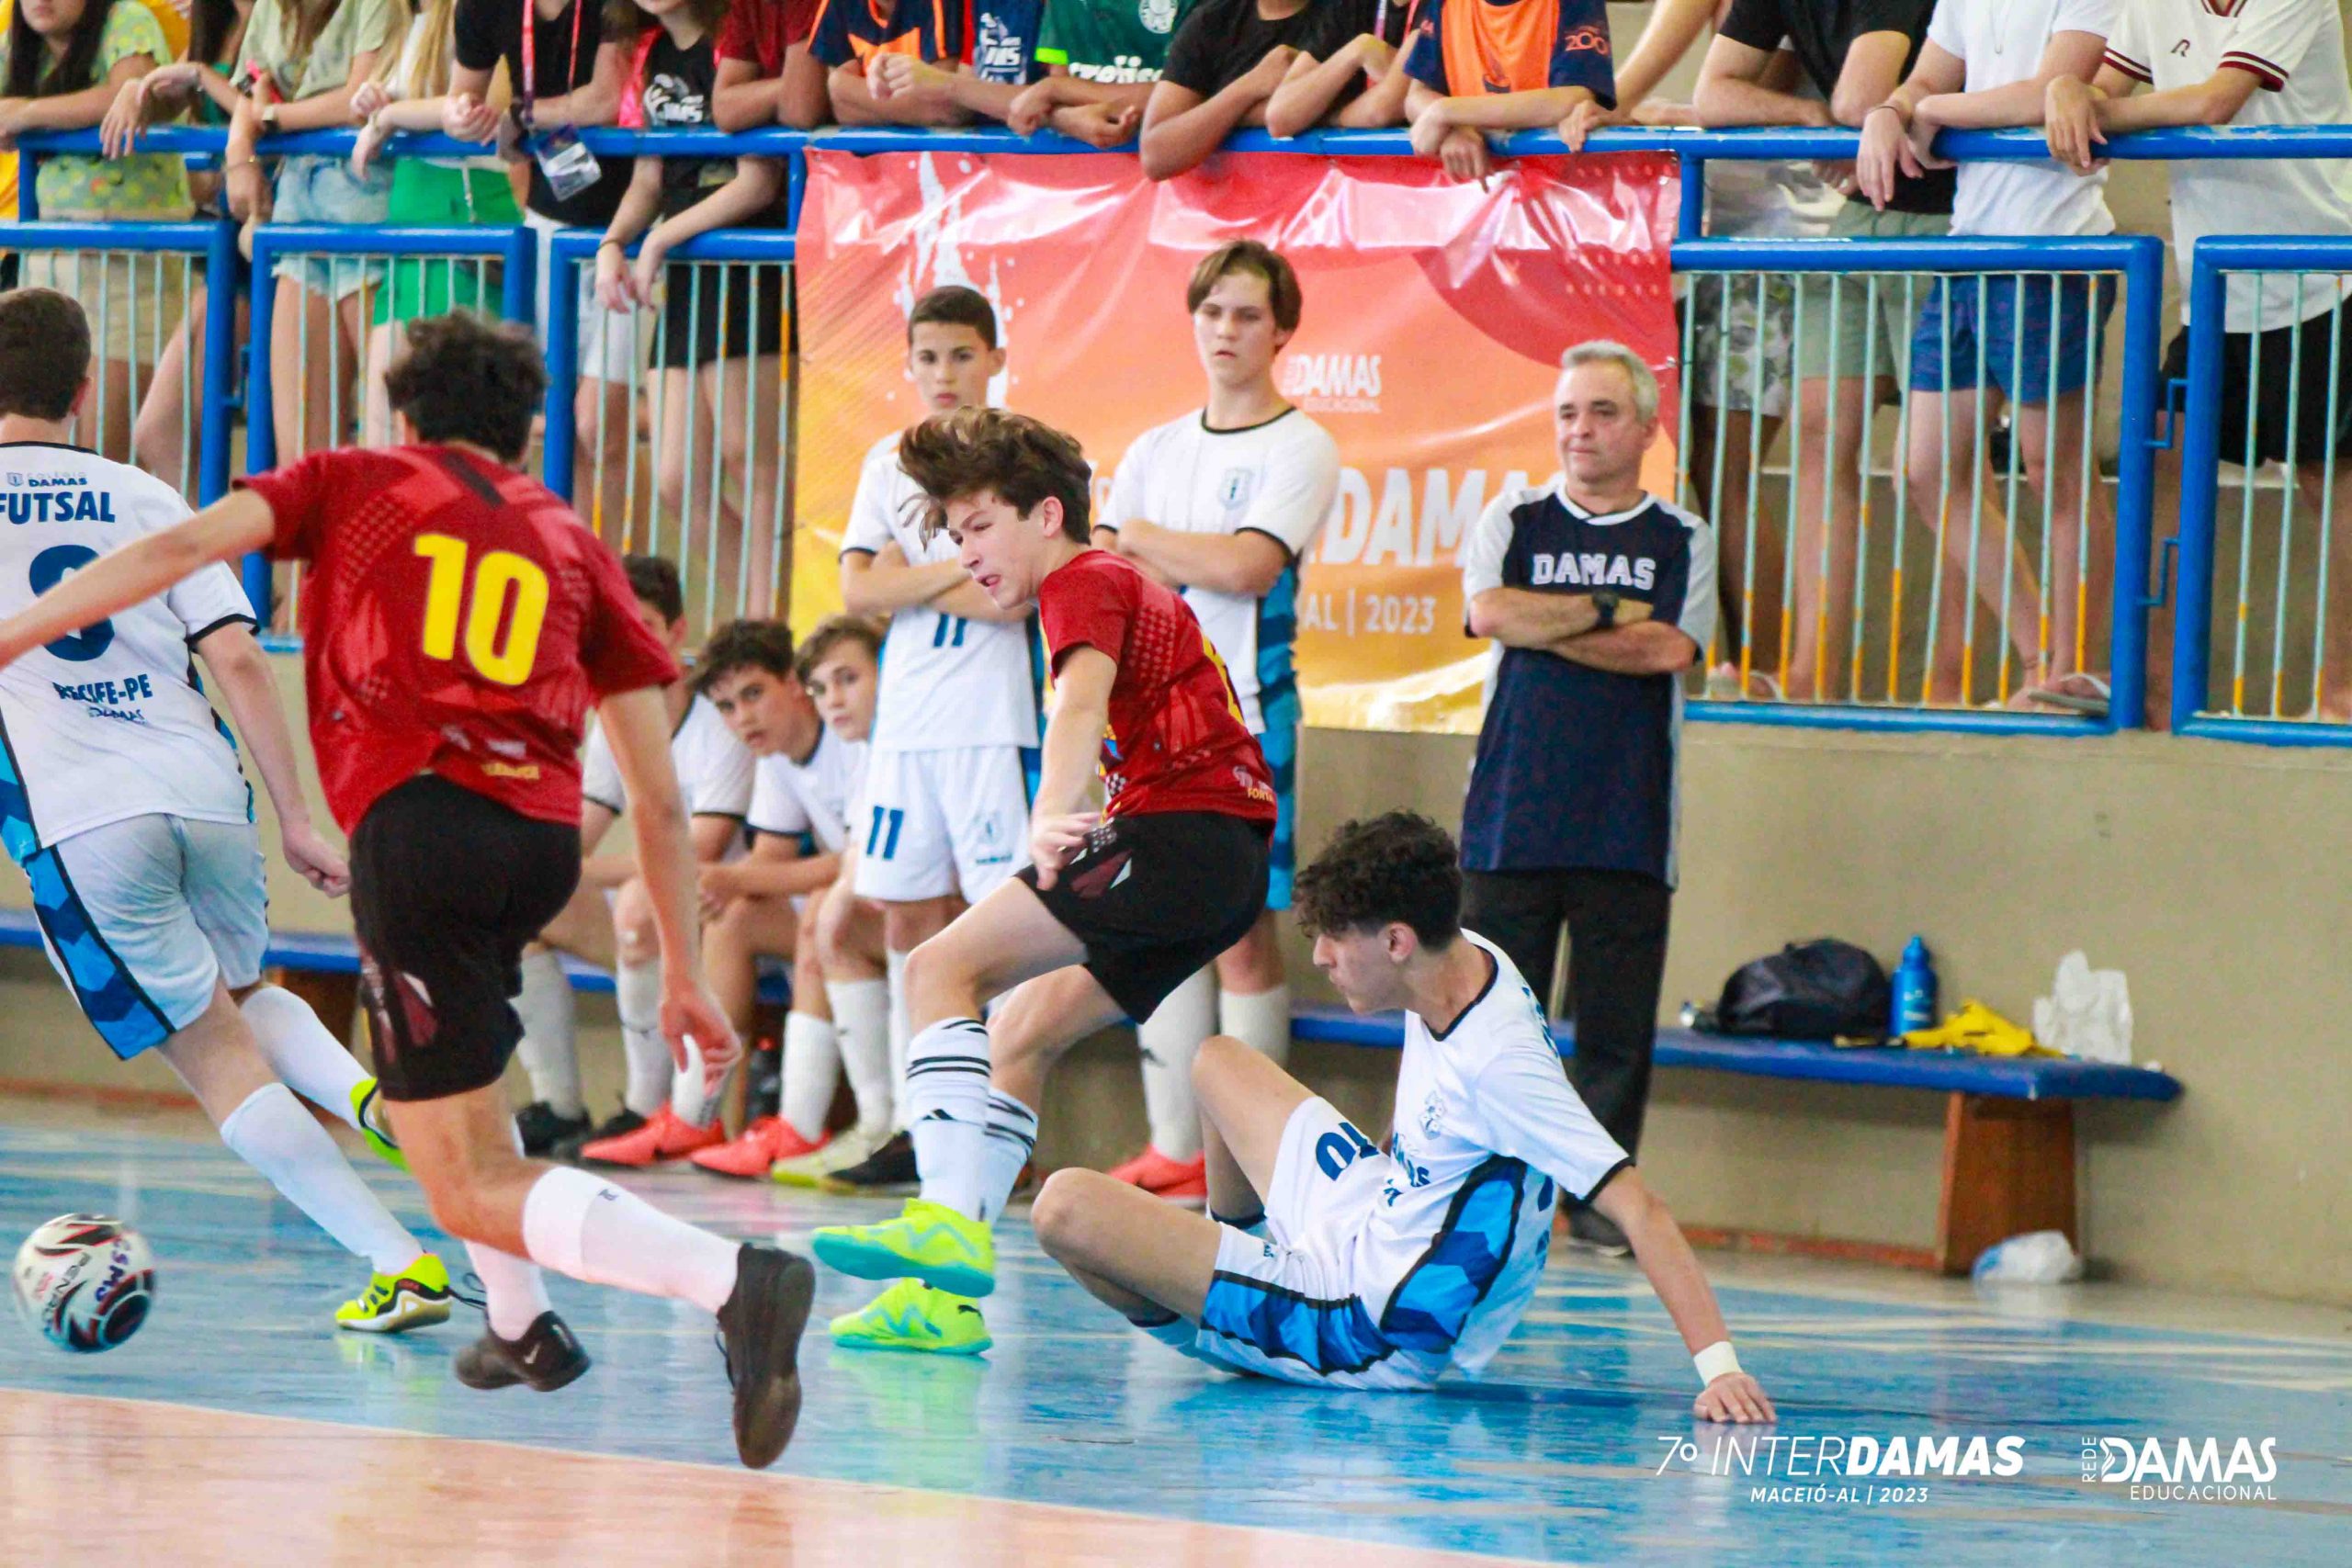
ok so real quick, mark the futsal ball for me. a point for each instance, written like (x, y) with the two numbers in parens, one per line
(85, 1281)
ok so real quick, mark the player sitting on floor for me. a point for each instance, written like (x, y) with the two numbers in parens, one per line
(121, 798)
(1118, 907)
(1370, 1270)
(767, 903)
(608, 923)
(452, 761)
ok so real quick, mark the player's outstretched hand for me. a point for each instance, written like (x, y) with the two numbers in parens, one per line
(1054, 839)
(687, 1009)
(307, 852)
(1735, 1397)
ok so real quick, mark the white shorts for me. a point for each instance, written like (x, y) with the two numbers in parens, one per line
(942, 822)
(1287, 1306)
(145, 917)
(610, 341)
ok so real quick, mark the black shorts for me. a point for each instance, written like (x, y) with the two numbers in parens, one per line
(712, 313)
(1156, 895)
(2306, 414)
(447, 886)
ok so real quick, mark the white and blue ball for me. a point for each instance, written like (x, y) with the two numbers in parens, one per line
(86, 1281)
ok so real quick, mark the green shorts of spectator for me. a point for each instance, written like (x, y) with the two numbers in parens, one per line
(438, 196)
(1860, 323)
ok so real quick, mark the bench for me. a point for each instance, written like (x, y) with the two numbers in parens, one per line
(2008, 1159)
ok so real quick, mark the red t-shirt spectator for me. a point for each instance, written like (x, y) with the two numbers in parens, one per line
(1176, 741)
(459, 620)
(761, 31)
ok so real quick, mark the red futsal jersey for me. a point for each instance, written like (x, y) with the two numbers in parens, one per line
(457, 620)
(1176, 741)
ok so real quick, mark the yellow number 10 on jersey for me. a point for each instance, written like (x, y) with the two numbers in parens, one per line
(493, 576)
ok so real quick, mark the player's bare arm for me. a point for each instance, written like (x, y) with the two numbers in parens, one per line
(242, 672)
(1665, 1257)
(1059, 821)
(1243, 564)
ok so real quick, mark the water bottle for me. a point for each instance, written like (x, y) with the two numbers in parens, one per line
(1915, 990)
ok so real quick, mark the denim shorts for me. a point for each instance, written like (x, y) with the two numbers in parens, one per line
(320, 190)
(2004, 326)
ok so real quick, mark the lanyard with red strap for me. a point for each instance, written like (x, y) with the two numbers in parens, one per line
(528, 88)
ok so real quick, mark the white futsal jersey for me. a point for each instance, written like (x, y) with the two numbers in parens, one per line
(108, 723)
(1485, 1124)
(816, 798)
(948, 683)
(714, 768)
(1275, 478)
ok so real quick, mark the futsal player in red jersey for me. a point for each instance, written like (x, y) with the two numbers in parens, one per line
(458, 624)
(1119, 906)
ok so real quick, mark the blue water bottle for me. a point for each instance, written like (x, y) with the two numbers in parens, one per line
(1915, 990)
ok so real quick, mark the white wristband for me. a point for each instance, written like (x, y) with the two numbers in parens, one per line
(1715, 1361)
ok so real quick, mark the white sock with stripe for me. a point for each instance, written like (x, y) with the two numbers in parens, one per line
(1168, 1040)
(947, 1112)
(1012, 1138)
(272, 1133)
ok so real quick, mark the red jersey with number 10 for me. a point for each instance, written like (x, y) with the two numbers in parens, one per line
(1176, 741)
(458, 619)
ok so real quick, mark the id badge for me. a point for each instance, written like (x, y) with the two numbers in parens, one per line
(570, 167)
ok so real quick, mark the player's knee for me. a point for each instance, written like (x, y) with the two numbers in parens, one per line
(1061, 1213)
(1220, 1058)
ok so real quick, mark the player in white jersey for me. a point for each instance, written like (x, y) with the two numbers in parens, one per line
(121, 798)
(956, 735)
(2247, 64)
(1224, 504)
(610, 922)
(812, 777)
(1372, 1269)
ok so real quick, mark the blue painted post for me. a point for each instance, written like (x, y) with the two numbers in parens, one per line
(1692, 223)
(796, 185)
(2200, 470)
(556, 451)
(2143, 286)
(518, 290)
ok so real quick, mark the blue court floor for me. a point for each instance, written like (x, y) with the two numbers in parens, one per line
(1579, 1446)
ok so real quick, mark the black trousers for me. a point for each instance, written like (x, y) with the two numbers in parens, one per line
(1617, 922)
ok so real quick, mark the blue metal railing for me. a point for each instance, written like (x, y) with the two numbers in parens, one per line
(2212, 266)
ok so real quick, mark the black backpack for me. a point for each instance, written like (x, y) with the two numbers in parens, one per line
(1823, 989)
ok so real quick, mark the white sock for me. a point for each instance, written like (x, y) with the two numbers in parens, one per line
(1261, 1021)
(1012, 1138)
(513, 1292)
(862, 1032)
(947, 1112)
(273, 1134)
(305, 1056)
(902, 1036)
(812, 1070)
(692, 1099)
(636, 987)
(550, 1050)
(577, 1225)
(1168, 1040)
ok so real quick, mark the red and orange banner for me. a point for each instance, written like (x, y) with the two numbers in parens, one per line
(1436, 314)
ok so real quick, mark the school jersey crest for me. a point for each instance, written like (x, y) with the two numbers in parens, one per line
(1157, 16)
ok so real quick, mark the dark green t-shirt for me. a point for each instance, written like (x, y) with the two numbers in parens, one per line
(1109, 41)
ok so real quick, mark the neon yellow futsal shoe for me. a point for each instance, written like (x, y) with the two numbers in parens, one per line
(393, 1304)
(911, 1315)
(929, 1241)
(368, 1107)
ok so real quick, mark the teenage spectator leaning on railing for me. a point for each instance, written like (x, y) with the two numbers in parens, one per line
(1477, 67)
(1855, 52)
(767, 72)
(1227, 60)
(2264, 63)
(709, 319)
(62, 64)
(1099, 60)
(995, 84)
(1355, 85)
(1987, 64)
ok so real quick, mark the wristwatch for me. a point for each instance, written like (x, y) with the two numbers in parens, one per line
(1604, 603)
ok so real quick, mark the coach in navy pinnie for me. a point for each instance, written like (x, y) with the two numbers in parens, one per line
(1601, 596)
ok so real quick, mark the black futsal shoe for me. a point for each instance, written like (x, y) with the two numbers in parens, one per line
(546, 1357)
(542, 1129)
(760, 1330)
(888, 1172)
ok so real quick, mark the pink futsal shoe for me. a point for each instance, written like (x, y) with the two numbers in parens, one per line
(665, 1136)
(764, 1142)
(1178, 1180)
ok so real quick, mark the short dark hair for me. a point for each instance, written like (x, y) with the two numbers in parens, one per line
(1259, 259)
(953, 305)
(654, 580)
(1023, 461)
(745, 645)
(44, 353)
(466, 379)
(830, 633)
(1397, 866)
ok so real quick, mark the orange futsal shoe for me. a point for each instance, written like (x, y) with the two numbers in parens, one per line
(664, 1137)
(764, 1142)
(1178, 1180)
